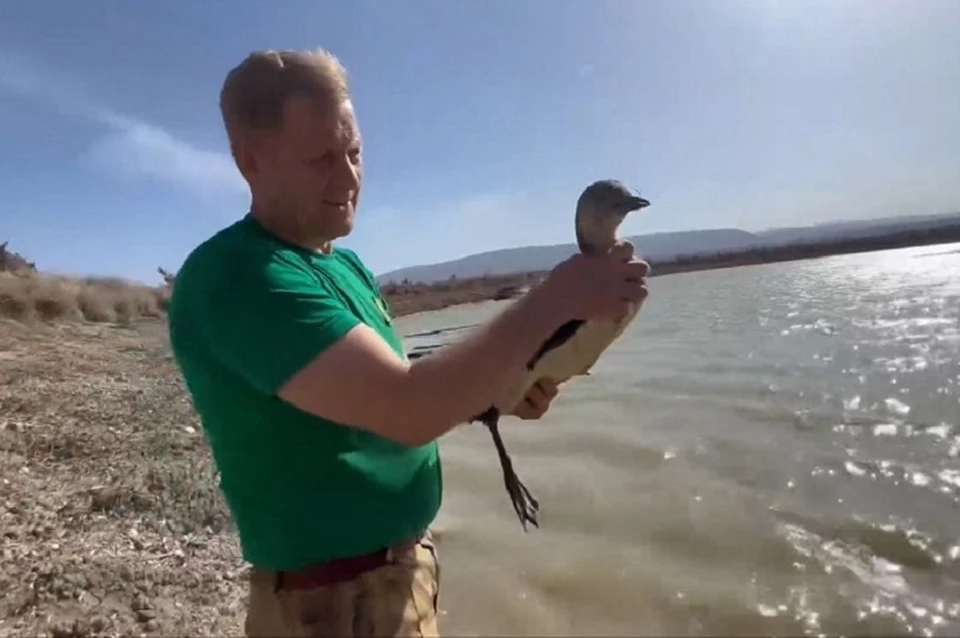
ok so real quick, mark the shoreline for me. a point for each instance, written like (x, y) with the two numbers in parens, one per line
(411, 298)
(29, 296)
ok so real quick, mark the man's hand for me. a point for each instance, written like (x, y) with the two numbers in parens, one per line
(599, 286)
(537, 401)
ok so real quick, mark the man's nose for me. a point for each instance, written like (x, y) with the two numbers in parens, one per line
(346, 174)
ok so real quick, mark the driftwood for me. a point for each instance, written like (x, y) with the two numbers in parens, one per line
(168, 278)
(12, 262)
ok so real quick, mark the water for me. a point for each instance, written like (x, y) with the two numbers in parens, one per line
(767, 450)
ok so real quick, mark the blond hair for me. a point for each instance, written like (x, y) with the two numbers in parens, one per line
(256, 90)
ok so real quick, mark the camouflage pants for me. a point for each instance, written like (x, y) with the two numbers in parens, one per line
(397, 599)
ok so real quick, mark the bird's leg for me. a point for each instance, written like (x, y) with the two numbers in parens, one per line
(526, 506)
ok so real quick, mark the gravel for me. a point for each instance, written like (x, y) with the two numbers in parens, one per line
(112, 521)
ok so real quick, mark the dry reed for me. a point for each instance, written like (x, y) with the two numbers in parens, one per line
(44, 297)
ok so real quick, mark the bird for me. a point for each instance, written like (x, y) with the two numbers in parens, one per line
(574, 348)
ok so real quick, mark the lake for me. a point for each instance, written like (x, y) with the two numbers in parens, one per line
(767, 450)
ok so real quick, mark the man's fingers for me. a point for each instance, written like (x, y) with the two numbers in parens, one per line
(527, 409)
(632, 292)
(537, 400)
(623, 251)
(548, 387)
(636, 269)
(537, 396)
(523, 410)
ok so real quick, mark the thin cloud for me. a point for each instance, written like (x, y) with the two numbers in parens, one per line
(136, 147)
(130, 146)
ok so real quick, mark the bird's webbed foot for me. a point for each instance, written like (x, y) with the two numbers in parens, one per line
(524, 504)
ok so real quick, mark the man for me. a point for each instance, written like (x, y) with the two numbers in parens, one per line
(323, 432)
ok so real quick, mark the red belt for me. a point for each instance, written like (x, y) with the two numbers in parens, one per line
(339, 570)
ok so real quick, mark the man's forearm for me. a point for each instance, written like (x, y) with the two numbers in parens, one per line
(463, 379)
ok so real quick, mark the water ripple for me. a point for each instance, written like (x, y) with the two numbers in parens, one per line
(770, 450)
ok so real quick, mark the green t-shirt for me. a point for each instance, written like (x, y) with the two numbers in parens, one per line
(248, 311)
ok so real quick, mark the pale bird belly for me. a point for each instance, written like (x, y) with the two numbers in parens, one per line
(573, 358)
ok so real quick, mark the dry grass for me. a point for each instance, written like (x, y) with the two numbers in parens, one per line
(30, 296)
(42, 297)
(111, 519)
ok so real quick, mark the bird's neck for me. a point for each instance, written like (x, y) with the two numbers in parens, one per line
(594, 237)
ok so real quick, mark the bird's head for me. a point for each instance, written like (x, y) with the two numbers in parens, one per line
(601, 209)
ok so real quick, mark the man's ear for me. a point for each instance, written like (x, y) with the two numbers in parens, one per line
(247, 149)
(244, 157)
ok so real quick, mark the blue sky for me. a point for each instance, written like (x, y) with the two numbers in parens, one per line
(482, 120)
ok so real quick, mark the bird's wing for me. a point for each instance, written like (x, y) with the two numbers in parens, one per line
(563, 334)
(423, 351)
(573, 353)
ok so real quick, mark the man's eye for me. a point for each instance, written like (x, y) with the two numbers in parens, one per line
(319, 162)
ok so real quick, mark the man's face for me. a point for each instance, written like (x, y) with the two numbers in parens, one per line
(311, 169)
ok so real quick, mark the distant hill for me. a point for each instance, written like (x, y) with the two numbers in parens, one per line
(661, 246)
(533, 258)
(853, 229)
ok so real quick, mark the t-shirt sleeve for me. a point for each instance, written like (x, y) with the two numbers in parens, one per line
(270, 320)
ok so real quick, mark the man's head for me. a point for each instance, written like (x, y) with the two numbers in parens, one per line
(295, 139)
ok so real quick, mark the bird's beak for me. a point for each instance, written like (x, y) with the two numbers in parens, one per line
(634, 203)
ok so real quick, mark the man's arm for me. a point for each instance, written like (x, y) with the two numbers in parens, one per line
(361, 381)
(273, 323)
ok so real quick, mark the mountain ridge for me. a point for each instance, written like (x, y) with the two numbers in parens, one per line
(659, 246)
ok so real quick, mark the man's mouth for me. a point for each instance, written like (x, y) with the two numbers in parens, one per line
(343, 204)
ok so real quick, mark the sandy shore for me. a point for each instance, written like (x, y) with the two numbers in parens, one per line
(112, 520)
